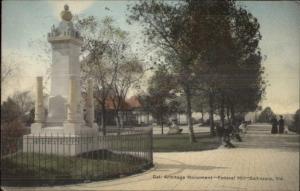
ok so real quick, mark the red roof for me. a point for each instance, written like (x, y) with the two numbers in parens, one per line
(131, 103)
(134, 102)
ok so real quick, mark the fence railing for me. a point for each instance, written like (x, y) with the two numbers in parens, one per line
(57, 158)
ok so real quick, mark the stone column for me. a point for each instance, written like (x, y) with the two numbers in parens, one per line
(73, 115)
(90, 104)
(39, 103)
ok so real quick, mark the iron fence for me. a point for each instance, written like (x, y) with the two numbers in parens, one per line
(55, 158)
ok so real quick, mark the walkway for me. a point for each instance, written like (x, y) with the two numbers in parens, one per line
(185, 129)
(262, 162)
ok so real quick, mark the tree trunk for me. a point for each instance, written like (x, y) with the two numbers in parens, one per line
(232, 114)
(117, 119)
(189, 114)
(227, 113)
(121, 118)
(162, 126)
(202, 113)
(222, 112)
(103, 118)
(118, 122)
(211, 114)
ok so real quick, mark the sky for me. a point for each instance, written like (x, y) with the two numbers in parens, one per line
(24, 22)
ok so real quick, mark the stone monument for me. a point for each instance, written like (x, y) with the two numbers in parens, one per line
(65, 107)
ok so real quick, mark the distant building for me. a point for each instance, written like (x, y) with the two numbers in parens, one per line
(131, 111)
(252, 116)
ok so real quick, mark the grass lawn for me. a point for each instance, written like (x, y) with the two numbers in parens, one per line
(32, 169)
(28, 169)
(181, 142)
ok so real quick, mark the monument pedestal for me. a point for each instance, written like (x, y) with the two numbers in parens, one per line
(36, 128)
(69, 140)
(71, 128)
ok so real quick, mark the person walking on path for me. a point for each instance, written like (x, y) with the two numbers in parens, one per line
(281, 124)
(243, 127)
(226, 136)
(236, 132)
(220, 132)
(274, 125)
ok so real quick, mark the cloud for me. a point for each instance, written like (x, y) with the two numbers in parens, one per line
(76, 6)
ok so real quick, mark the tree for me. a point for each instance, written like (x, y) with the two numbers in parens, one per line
(109, 61)
(183, 30)
(160, 100)
(9, 69)
(26, 106)
(9, 72)
(101, 42)
(129, 72)
(164, 26)
(24, 102)
(266, 115)
(232, 77)
(11, 123)
(200, 103)
(296, 122)
(247, 85)
(10, 111)
(209, 45)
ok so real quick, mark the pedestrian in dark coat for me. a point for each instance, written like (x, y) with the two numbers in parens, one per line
(220, 131)
(274, 126)
(281, 124)
(226, 136)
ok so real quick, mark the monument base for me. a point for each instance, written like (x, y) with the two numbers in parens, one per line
(36, 128)
(69, 140)
(75, 128)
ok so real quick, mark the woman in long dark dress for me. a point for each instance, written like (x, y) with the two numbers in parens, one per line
(274, 126)
(281, 124)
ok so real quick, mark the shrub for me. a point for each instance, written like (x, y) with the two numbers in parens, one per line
(296, 123)
(266, 115)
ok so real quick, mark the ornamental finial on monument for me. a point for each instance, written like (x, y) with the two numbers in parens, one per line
(66, 15)
(66, 7)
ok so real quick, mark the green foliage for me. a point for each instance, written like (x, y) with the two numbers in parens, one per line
(13, 118)
(25, 104)
(160, 100)
(266, 115)
(296, 122)
(109, 61)
(210, 46)
(17, 111)
(10, 111)
(200, 102)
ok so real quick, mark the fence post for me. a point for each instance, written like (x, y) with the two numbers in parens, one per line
(57, 151)
(51, 142)
(81, 155)
(39, 155)
(87, 154)
(45, 144)
(151, 146)
(64, 156)
(104, 154)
